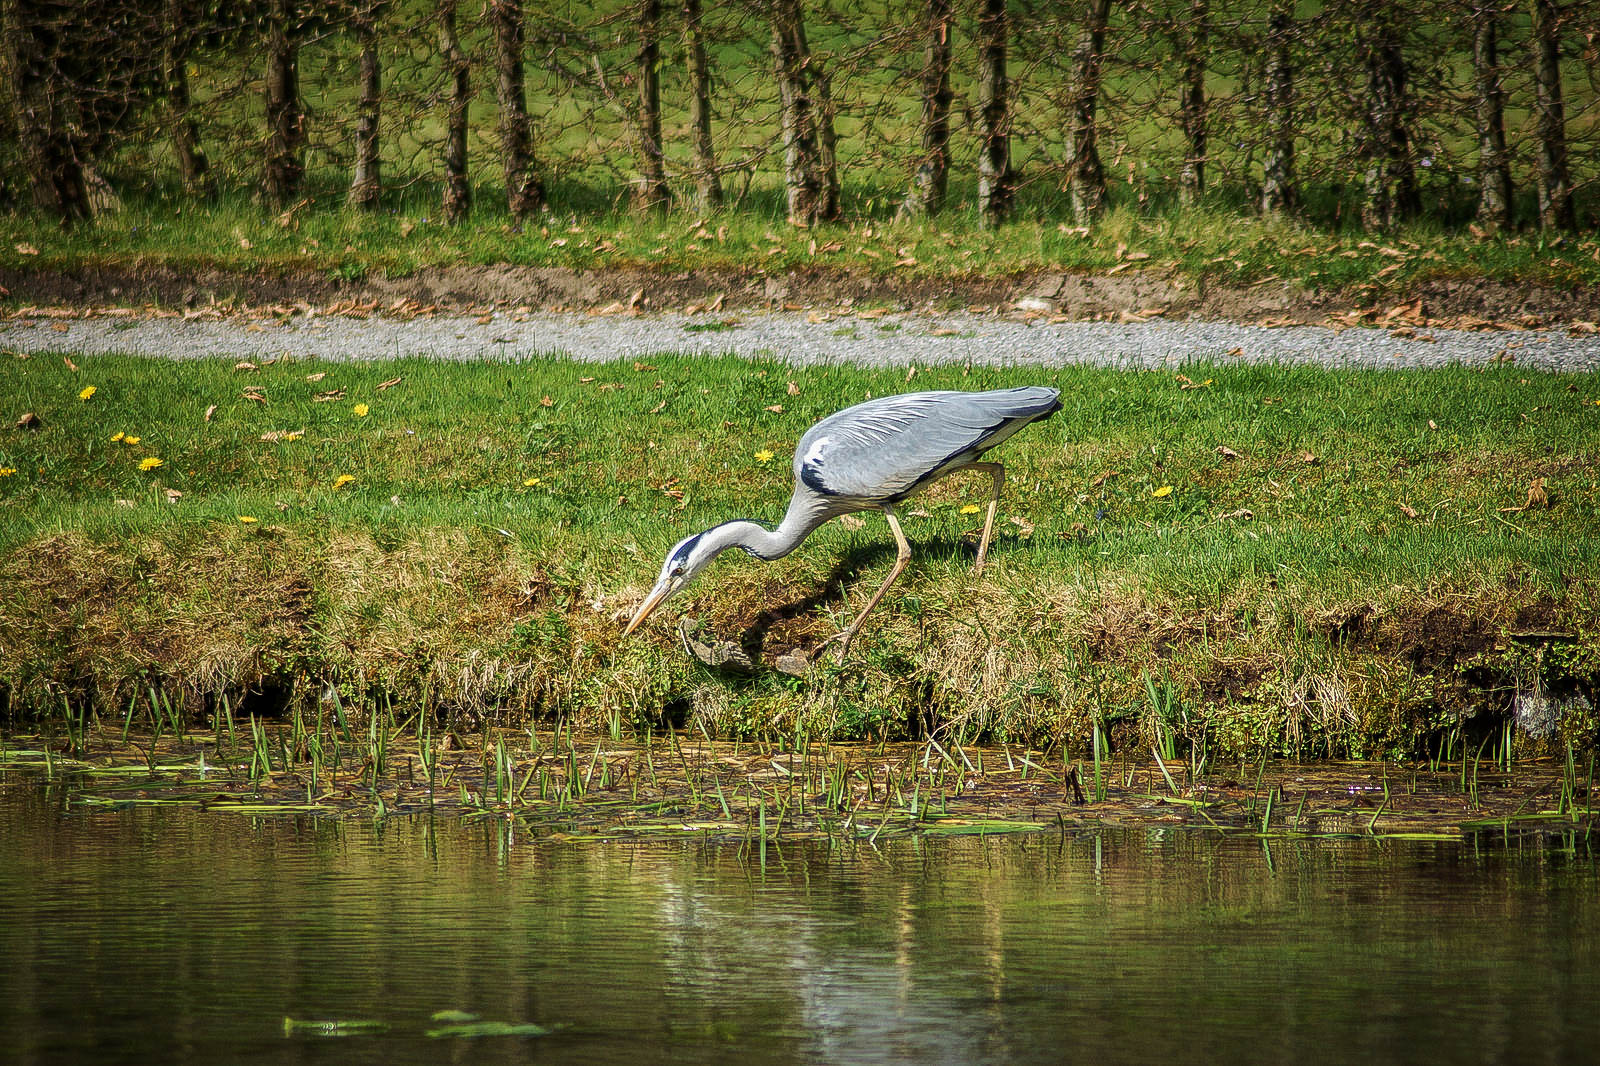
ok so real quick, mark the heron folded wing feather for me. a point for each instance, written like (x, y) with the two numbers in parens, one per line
(885, 448)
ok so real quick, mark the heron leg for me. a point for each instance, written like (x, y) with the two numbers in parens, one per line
(998, 472)
(900, 562)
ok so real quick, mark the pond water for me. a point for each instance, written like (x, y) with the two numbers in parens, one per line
(171, 934)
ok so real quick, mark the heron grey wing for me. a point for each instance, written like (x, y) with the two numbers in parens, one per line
(884, 448)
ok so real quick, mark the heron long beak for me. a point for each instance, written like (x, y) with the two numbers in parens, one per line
(651, 602)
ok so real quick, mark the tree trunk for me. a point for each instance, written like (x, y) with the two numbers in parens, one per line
(194, 169)
(286, 120)
(1556, 210)
(52, 161)
(1494, 167)
(1278, 193)
(1390, 180)
(650, 193)
(708, 186)
(524, 187)
(810, 179)
(816, 75)
(932, 176)
(996, 182)
(457, 190)
(366, 183)
(1192, 105)
(1086, 178)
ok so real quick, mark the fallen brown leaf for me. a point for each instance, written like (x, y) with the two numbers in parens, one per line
(70, 364)
(1409, 512)
(1103, 477)
(210, 411)
(1537, 497)
(1226, 452)
(391, 383)
(318, 376)
(29, 420)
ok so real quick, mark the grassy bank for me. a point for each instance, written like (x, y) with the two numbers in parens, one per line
(1210, 245)
(1230, 559)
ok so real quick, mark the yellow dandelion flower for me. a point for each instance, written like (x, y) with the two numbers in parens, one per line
(531, 482)
(1164, 490)
(7, 471)
(248, 520)
(116, 436)
(970, 508)
(342, 480)
(88, 391)
(763, 456)
(149, 463)
(130, 440)
(360, 410)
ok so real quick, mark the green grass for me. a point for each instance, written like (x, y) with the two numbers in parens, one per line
(1350, 582)
(1215, 244)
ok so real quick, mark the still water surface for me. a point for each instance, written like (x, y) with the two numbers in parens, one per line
(165, 935)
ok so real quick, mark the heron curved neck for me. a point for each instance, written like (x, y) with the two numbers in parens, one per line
(803, 516)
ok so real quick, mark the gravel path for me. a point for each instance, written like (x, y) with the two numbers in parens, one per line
(885, 340)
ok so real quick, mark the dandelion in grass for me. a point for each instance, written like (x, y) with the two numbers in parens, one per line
(342, 480)
(7, 471)
(116, 436)
(1164, 490)
(130, 440)
(150, 462)
(361, 410)
(970, 508)
(87, 391)
(530, 482)
(763, 456)
(248, 520)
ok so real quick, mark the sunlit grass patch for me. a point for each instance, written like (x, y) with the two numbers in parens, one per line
(1211, 243)
(476, 539)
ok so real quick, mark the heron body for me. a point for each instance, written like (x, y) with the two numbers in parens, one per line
(865, 458)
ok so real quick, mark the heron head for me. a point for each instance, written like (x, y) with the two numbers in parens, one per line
(686, 559)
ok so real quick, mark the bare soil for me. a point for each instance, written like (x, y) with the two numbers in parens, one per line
(1077, 296)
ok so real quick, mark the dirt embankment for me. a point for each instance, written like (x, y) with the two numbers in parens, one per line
(1078, 296)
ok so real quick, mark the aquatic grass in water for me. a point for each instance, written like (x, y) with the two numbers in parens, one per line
(753, 791)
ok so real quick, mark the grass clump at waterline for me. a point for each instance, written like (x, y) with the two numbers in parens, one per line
(1227, 559)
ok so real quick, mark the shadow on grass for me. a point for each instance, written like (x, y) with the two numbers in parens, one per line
(862, 569)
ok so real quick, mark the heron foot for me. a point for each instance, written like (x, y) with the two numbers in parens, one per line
(844, 636)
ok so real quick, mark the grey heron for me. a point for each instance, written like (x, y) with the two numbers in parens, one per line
(864, 458)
